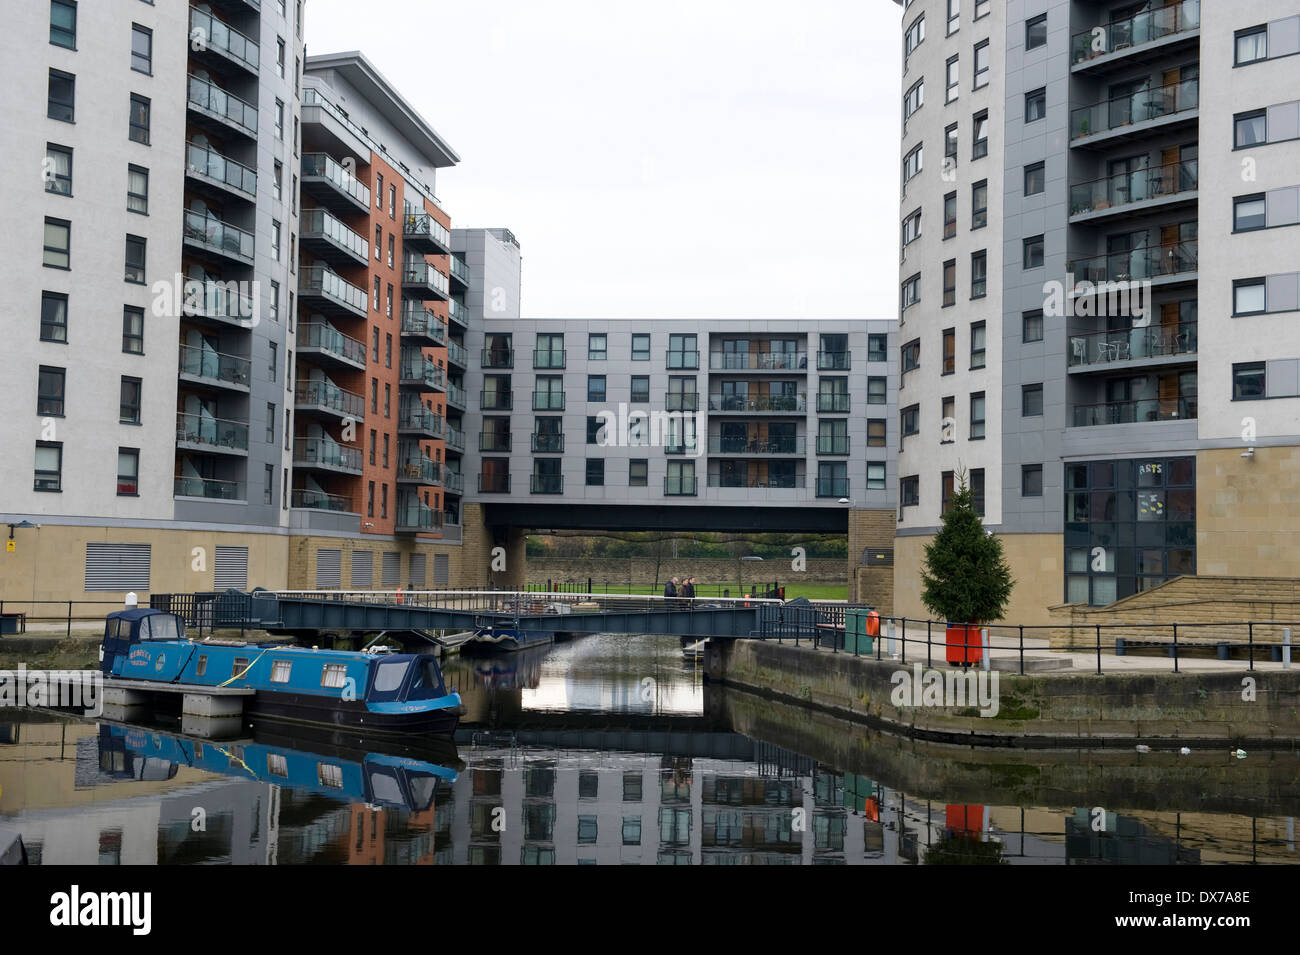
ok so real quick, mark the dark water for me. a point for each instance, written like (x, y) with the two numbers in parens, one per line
(611, 749)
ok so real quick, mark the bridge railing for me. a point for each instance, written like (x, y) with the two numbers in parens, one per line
(527, 603)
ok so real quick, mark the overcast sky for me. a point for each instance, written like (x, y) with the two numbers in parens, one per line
(683, 158)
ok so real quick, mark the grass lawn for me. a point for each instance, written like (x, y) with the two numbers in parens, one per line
(792, 590)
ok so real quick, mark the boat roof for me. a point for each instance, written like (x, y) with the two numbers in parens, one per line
(137, 614)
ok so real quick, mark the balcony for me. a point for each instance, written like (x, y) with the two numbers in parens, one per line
(454, 482)
(326, 455)
(683, 360)
(207, 166)
(681, 444)
(421, 280)
(832, 487)
(548, 443)
(548, 359)
(1154, 342)
(205, 231)
(329, 346)
(832, 403)
(496, 400)
(757, 361)
(457, 398)
(333, 186)
(415, 420)
(222, 302)
(1148, 263)
(327, 292)
(1134, 411)
(208, 367)
(832, 444)
(725, 444)
(326, 237)
(209, 34)
(228, 110)
(459, 272)
(548, 401)
(414, 516)
(749, 404)
(494, 483)
(418, 373)
(744, 480)
(208, 488)
(497, 358)
(680, 486)
(200, 432)
(421, 232)
(455, 439)
(1135, 192)
(834, 361)
(319, 500)
(1134, 113)
(451, 528)
(495, 441)
(1141, 33)
(417, 468)
(547, 484)
(322, 396)
(457, 355)
(458, 312)
(421, 326)
(682, 401)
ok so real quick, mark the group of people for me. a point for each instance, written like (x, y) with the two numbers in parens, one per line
(680, 587)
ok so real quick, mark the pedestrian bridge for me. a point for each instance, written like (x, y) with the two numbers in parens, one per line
(419, 612)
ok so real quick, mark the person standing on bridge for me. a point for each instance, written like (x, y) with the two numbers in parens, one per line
(670, 588)
(688, 590)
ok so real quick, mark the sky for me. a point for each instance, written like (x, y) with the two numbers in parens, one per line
(707, 159)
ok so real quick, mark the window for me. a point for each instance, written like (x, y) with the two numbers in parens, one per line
(952, 79)
(1031, 480)
(950, 215)
(977, 353)
(388, 299)
(954, 16)
(277, 182)
(128, 472)
(62, 96)
(1032, 326)
(979, 204)
(913, 37)
(279, 122)
(597, 347)
(1248, 381)
(641, 347)
(875, 432)
(58, 237)
(49, 466)
(981, 64)
(980, 147)
(949, 351)
(137, 189)
(133, 330)
(638, 472)
(947, 419)
(912, 228)
(392, 201)
(139, 131)
(977, 489)
(979, 278)
(682, 351)
(384, 454)
(594, 429)
(58, 169)
(1252, 44)
(63, 23)
(950, 283)
(379, 190)
(1035, 178)
(977, 416)
(1034, 252)
(911, 291)
(640, 388)
(877, 348)
(909, 420)
(1248, 297)
(374, 344)
(909, 491)
(1036, 32)
(981, 9)
(877, 391)
(129, 412)
(595, 472)
(49, 392)
(1248, 213)
(913, 100)
(595, 387)
(279, 56)
(141, 49)
(912, 163)
(376, 296)
(1031, 400)
(951, 139)
(911, 355)
(383, 500)
(1035, 104)
(388, 400)
(273, 360)
(274, 305)
(875, 475)
(288, 429)
(135, 257)
(54, 317)
(293, 197)
(945, 492)
(275, 239)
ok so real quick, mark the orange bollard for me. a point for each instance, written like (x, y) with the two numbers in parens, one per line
(399, 596)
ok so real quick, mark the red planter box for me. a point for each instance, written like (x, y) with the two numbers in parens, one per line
(964, 645)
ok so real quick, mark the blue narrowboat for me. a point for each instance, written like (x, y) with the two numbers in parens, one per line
(371, 691)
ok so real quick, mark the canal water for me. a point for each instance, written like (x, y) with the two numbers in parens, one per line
(613, 750)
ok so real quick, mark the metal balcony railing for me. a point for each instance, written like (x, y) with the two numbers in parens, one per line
(209, 488)
(680, 486)
(1135, 31)
(757, 361)
(1133, 411)
(1135, 108)
(220, 433)
(547, 484)
(326, 453)
(1123, 189)
(834, 360)
(548, 401)
(548, 443)
(682, 401)
(758, 402)
(1147, 262)
(725, 444)
(1154, 341)
(319, 500)
(833, 403)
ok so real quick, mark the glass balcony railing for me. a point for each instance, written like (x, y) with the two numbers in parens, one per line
(418, 468)
(832, 487)
(206, 95)
(548, 401)
(1147, 262)
(415, 367)
(209, 33)
(1153, 341)
(413, 416)
(758, 402)
(494, 441)
(548, 443)
(682, 401)
(455, 438)
(208, 230)
(1139, 107)
(744, 480)
(220, 433)
(325, 394)
(414, 516)
(1140, 185)
(833, 403)
(1137, 30)
(456, 396)
(549, 359)
(675, 486)
(676, 443)
(832, 444)
(319, 222)
(496, 400)
(323, 166)
(1134, 411)
(834, 361)
(418, 225)
(205, 161)
(458, 312)
(222, 300)
(322, 452)
(418, 272)
(757, 361)
(459, 270)
(209, 488)
(457, 354)
(325, 283)
(497, 358)
(214, 366)
(320, 501)
(742, 444)
(329, 339)
(547, 484)
(420, 321)
(453, 481)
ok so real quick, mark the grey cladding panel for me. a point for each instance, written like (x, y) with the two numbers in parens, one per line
(1283, 37)
(1282, 206)
(1283, 378)
(1282, 292)
(1284, 121)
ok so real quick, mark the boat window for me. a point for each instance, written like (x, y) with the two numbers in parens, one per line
(428, 679)
(277, 765)
(423, 789)
(389, 676)
(202, 668)
(385, 789)
(329, 775)
(238, 667)
(280, 671)
(164, 626)
(333, 674)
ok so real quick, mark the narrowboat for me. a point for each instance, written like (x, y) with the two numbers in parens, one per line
(376, 692)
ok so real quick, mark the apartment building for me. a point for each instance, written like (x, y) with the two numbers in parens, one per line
(1096, 320)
